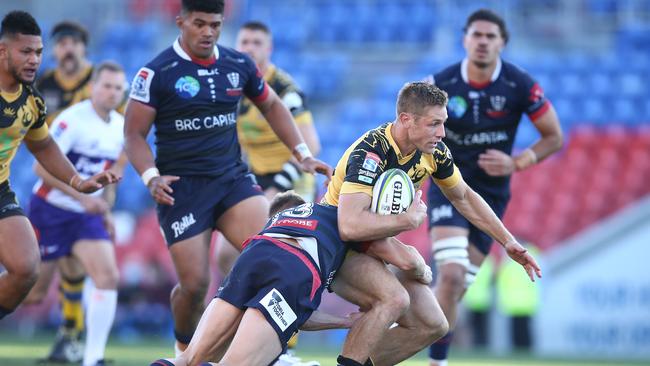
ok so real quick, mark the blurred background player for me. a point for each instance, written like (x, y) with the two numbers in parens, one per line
(66, 84)
(191, 93)
(23, 119)
(487, 97)
(273, 165)
(72, 225)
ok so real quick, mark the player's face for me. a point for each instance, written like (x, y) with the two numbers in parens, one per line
(69, 53)
(428, 128)
(256, 44)
(483, 43)
(108, 89)
(21, 56)
(199, 32)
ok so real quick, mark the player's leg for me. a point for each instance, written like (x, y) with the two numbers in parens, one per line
(255, 343)
(20, 257)
(367, 282)
(98, 258)
(191, 260)
(422, 324)
(41, 287)
(244, 219)
(226, 255)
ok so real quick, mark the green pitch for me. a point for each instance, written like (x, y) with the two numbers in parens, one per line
(21, 353)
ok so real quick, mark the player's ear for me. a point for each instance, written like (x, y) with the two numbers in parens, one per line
(179, 20)
(3, 49)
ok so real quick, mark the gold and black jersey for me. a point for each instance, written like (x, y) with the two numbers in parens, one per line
(266, 153)
(61, 92)
(22, 116)
(376, 152)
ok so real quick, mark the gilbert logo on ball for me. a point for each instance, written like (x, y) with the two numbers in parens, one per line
(393, 193)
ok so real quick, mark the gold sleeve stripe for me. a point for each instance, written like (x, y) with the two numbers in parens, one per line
(304, 118)
(38, 134)
(349, 187)
(451, 181)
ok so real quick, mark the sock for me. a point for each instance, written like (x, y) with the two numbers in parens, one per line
(183, 338)
(4, 312)
(73, 314)
(344, 361)
(439, 350)
(101, 312)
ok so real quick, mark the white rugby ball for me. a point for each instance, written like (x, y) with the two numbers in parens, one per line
(393, 193)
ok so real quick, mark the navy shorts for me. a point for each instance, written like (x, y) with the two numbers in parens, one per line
(443, 213)
(8, 203)
(278, 279)
(57, 229)
(200, 201)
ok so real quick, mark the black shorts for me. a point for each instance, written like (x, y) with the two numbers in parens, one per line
(200, 201)
(443, 213)
(8, 203)
(279, 280)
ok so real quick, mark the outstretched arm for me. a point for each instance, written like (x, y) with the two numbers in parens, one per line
(402, 256)
(321, 321)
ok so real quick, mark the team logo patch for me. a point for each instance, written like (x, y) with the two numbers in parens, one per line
(187, 87)
(141, 85)
(497, 102)
(371, 162)
(457, 106)
(277, 307)
(233, 78)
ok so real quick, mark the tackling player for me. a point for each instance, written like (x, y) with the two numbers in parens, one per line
(413, 143)
(190, 92)
(23, 119)
(487, 97)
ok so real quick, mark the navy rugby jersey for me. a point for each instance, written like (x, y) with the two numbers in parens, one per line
(196, 108)
(315, 221)
(486, 116)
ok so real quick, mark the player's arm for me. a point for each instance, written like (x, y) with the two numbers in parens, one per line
(50, 157)
(321, 321)
(402, 256)
(308, 132)
(472, 206)
(138, 119)
(551, 140)
(284, 126)
(357, 223)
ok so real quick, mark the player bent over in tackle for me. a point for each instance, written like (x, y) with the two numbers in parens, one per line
(23, 118)
(276, 286)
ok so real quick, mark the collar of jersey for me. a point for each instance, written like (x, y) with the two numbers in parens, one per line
(464, 75)
(11, 97)
(73, 82)
(401, 159)
(180, 52)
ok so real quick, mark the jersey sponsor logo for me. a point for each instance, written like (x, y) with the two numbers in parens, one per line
(277, 307)
(299, 223)
(365, 179)
(457, 106)
(141, 85)
(479, 138)
(367, 173)
(209, 122)
(206, 72)
(233, 78)
(371, 162)
(9, 112)
(183, 224)
(187, 87)
(330, 278)
(441, 212)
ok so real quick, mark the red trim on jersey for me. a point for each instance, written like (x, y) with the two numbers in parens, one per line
(203, 62)
(315, 276)
(43, 190)
(262, 97)
(477, 85)
(538, 113)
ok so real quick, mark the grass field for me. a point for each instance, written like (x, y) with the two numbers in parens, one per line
(22, 353)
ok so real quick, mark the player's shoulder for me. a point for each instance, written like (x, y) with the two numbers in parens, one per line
(441, 153)
(282, 81)
(375, 140)
(231, 55)
(163, 60)
(447, 74)
(514, 72)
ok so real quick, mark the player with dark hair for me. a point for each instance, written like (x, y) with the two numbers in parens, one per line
(23, 119)
(276, 284)
(412, 143)
(190, 92)
(487, 98)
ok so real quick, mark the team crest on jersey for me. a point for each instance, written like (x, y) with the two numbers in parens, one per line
(457, 106)
(497, 102)
(25, 115)
(141, 84)
(233, 78)
(187, 87)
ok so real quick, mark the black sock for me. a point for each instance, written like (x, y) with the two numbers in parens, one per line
(344, 361)
(183, 338)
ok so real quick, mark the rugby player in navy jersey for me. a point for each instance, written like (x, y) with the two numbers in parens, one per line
(190, 92)
(487, 98)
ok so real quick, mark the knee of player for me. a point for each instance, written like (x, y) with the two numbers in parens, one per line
(438, 328)
(451, 277)
(196, 288)
(26, 270)
(107, 279)
(397, 302)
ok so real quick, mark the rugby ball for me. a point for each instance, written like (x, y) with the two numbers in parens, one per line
(393, 193)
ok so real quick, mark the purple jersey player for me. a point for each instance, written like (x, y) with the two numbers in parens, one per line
(487, 98)
(190, 92)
